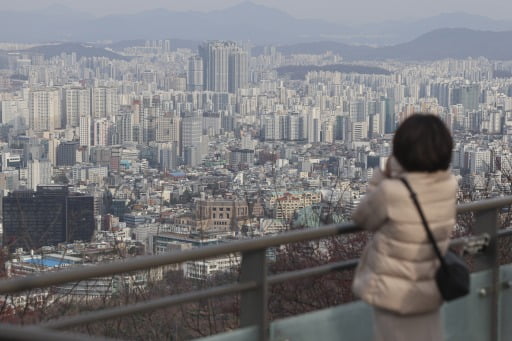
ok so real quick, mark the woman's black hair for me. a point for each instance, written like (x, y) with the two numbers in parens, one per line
(423, 143)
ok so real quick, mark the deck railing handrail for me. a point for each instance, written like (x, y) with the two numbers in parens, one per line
(145, 262)
(253, 281)
(79, 273)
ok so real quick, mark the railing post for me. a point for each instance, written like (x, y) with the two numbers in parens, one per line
(487, 222)
(253, 305)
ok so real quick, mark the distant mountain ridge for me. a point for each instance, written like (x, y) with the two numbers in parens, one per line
(81, 50)
(245, 21)
(438, 44)
(393, 32)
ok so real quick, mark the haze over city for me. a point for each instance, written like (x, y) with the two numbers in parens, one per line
(351, 12)
(156, 152)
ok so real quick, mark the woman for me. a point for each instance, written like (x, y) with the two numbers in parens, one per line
(397, 269)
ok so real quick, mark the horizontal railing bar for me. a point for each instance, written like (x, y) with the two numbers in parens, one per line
(205, 294)
(458, 241)
(143, 307)
(36, 333)
(484, 205)
(318, 270)
(505, 232)
(336, 266)
(146, 262)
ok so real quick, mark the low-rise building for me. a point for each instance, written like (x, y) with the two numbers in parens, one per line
(204, 269)
(221, 214)
(286, 204)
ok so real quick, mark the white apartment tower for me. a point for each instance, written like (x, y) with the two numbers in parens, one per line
(15, 112)
(359, 131)
(101, 130)
(167, 156)
(85, 131)
(272, 130)
(192, 129)
(216, 64)
(225, 66)
(327, 132)
(45, 110)
(39, 173)
(238, 69)
(77, 103)
(53, 143)
(104, 102)
(313, 126)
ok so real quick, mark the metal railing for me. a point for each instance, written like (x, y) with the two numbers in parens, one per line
(254, 279)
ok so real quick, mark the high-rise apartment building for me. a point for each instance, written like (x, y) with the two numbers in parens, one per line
(359, 131)
(15, 113)
(104, 102)
(101, 132)
(168, 129)
(212, 123)
(77, 103)
(195, 74)
(388, 115)
(290, 127)
(167, 156)
(374, 127)
(273, 127)
(39, 172)
(215, 57)
(313, 127)
(294, 127)
(238, 69)
(357, 112)
(115, 158)
(123, 127)
(479, 161)
(45, 110)
(327, 133)
(53, 143)
(468, 95)
(191, 129)
(225, 66)
(84, 133)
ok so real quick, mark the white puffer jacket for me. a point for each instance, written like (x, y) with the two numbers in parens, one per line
(396, 271)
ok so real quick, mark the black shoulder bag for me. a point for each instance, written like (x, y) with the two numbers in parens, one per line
(452, 277)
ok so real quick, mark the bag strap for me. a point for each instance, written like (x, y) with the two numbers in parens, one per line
(424, 221)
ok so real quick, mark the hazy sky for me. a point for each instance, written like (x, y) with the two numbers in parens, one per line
(333, 10)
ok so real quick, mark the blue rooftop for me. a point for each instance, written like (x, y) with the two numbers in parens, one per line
(178, 174)
(48, 262)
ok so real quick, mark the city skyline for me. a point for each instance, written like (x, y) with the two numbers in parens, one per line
(127, 141)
